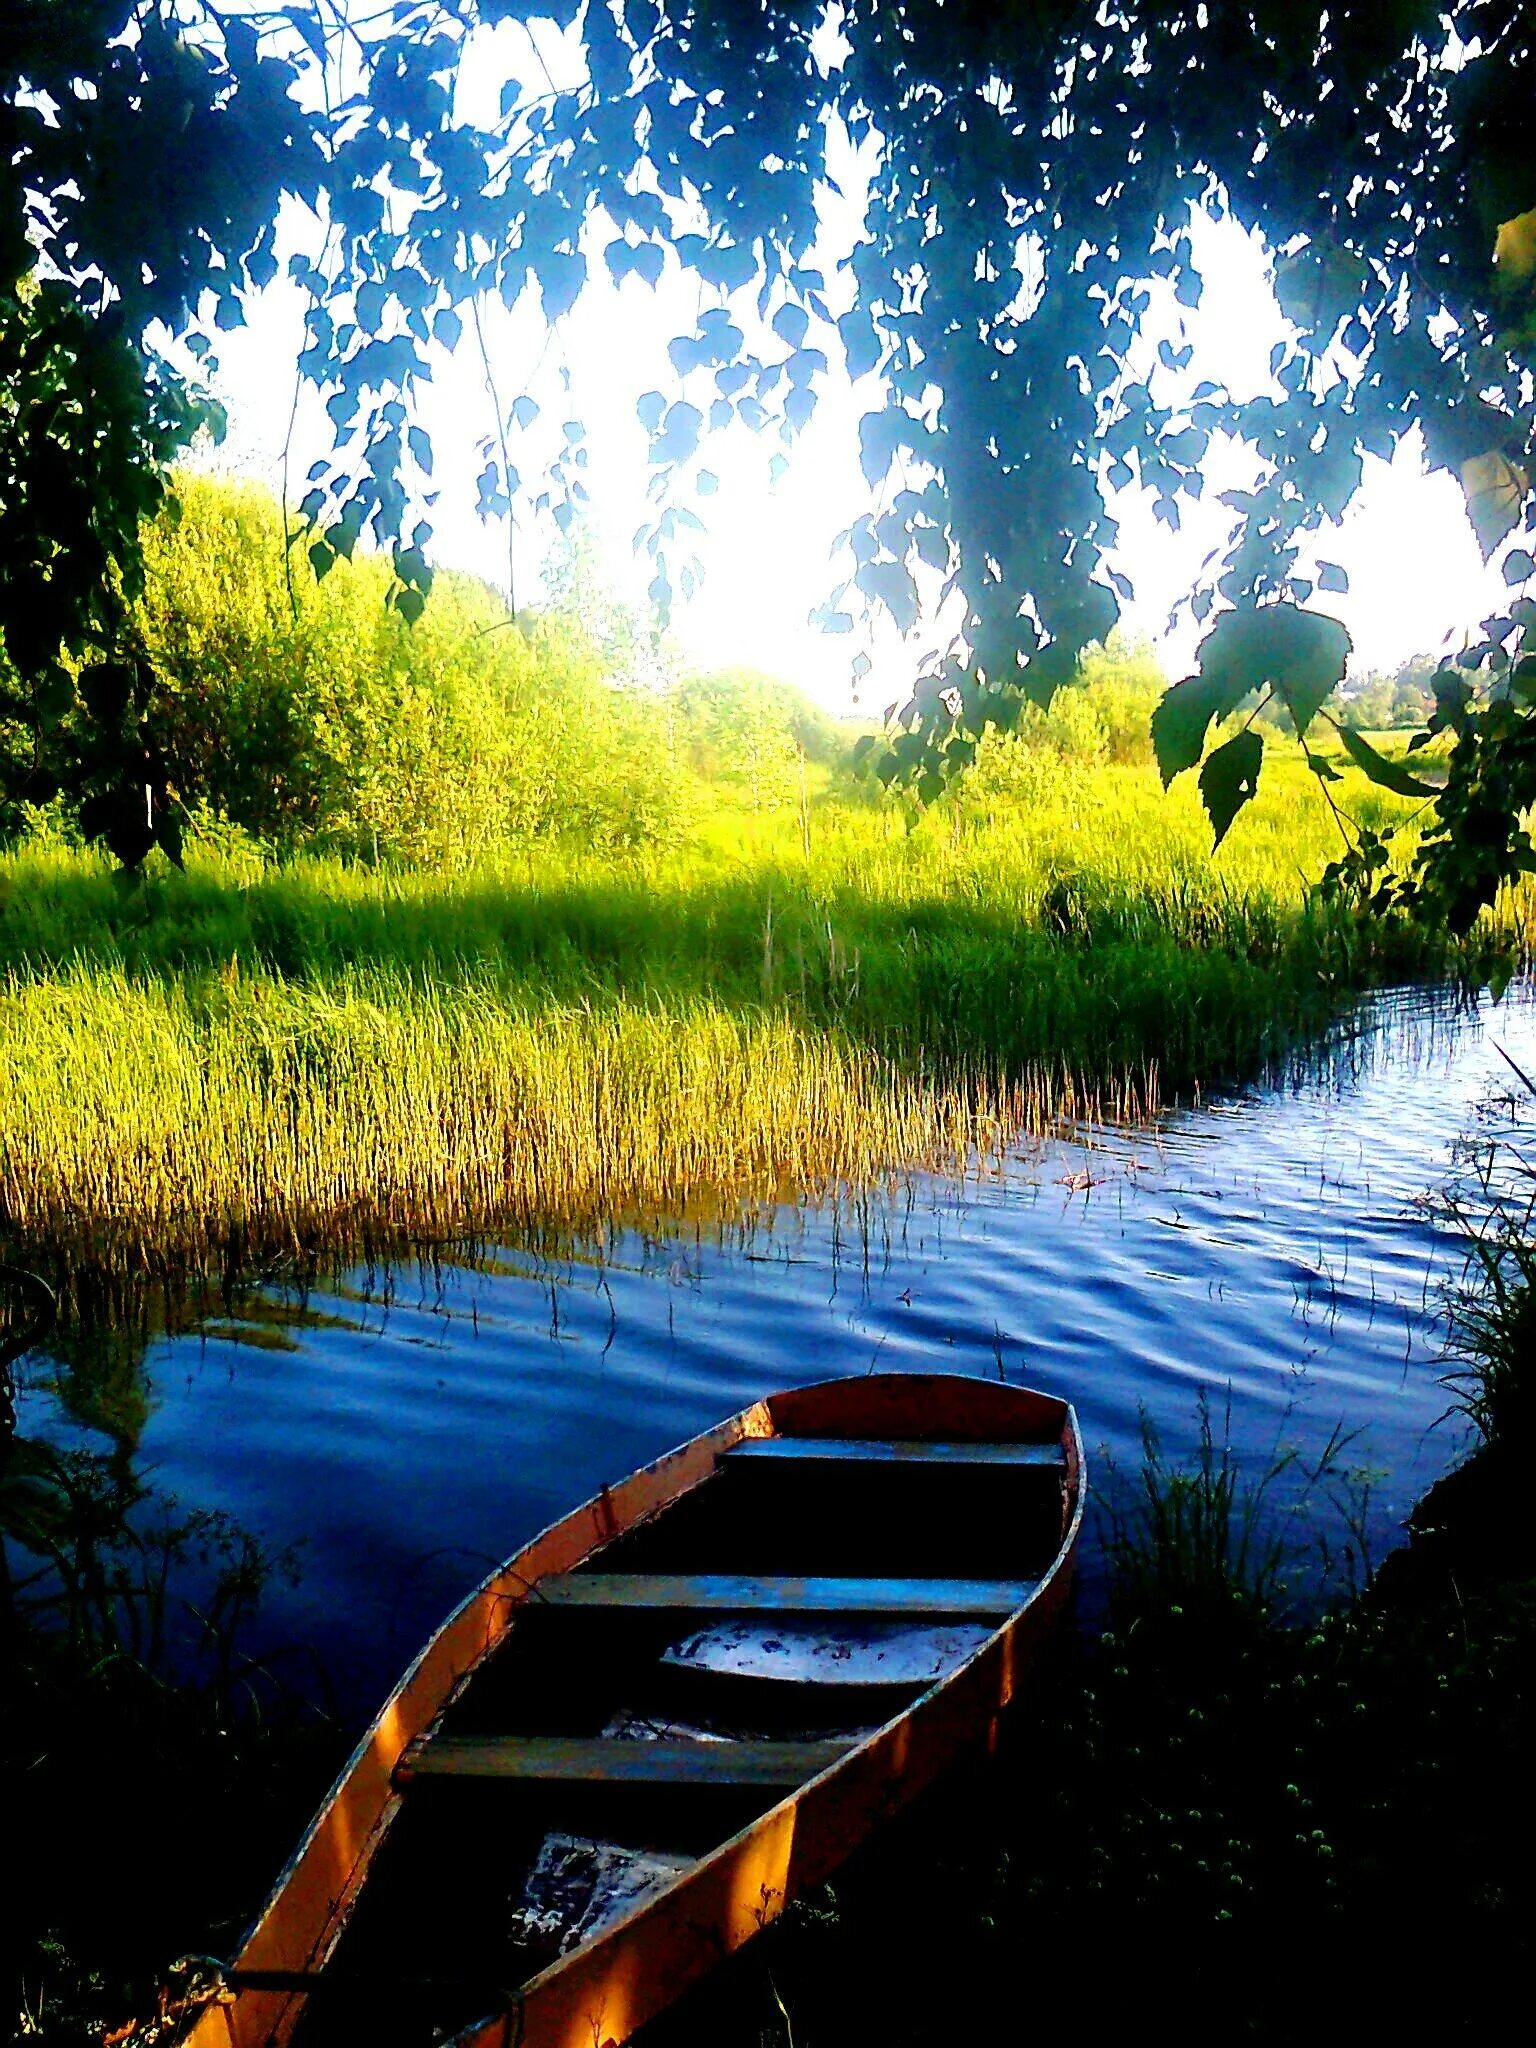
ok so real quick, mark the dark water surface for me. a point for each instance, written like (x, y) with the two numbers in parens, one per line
(1274, 1248)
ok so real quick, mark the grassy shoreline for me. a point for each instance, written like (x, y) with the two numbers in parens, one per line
(250, 1061)
(1208, 1778)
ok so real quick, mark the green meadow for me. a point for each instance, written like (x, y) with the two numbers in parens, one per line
(263, 1056)
(472, 936)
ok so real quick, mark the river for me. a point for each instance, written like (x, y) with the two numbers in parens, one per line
(1273, 1247)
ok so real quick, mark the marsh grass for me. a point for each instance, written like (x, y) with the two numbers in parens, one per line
(1491, 1342)
(1198, 1542)
(250, 1062)
(1492, 1380)
(232, 1123)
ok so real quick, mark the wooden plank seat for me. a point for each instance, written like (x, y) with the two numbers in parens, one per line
(893, 1451)
(615, 1761)
(729, 1592)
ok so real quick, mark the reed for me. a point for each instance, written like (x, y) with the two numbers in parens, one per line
(221, 1119)
(1491, 1310)
(249, 1060)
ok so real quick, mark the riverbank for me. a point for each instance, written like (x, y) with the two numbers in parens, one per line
(254, 1060)
(251, 1062)
(1278, 1831)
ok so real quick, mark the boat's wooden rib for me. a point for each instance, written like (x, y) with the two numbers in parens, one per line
(736, 1593)
(600, 1760)
(570, 1631)
(893, 1451)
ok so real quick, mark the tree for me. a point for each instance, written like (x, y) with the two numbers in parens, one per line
(1026, 257)
(1405, 699)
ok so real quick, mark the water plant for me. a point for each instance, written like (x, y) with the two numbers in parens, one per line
(1491, 1349)
(1218, 1549)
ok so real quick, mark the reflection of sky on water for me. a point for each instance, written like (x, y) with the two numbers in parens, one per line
(1274, 1245)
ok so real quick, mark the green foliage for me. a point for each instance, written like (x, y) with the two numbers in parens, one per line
(749, 733)
(1230, 778)
(1477, 841)
(1208, 1548)
(631, 652)
(308, 713)
(1385, 772)
(1492, 1339)
(1099, 719)
(87, 426)
(1279, 651)
(1028, 238)
(1378, 703)
(1493, 1335)
(305, 712)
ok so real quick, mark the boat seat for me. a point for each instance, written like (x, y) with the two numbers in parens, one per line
(895, 1451)
(734, 1593)
(615, 1761)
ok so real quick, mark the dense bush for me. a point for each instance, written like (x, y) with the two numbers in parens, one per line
(307, 713)
(310, 713)
(747, 733)
(1103, 716)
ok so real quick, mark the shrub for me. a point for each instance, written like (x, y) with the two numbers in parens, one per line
(309, 713)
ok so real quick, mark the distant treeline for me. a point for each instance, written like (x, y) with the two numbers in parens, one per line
(308, 714)
(1371, 700)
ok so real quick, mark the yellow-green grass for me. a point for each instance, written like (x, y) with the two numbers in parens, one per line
(285, 1115)
(247, 1060)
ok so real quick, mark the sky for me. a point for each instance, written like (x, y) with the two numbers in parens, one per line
(1413, 564)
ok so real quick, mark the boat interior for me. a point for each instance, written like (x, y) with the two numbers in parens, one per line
(684, 1679)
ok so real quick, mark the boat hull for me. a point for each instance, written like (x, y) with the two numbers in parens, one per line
(613, 1983)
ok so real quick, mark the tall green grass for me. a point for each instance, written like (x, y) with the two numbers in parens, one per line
(249, 1058)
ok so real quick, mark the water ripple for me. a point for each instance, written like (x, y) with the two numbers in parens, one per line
(1273, 1248)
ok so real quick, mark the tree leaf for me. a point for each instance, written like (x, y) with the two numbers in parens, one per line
(679, 435)
(1229, 779)
(648, 261)
(861, 345)
(1302, 654)
(1385, 772)
(790, 324)
(890, 584)
(561, 275)
(1495, 491)
(1181, 721)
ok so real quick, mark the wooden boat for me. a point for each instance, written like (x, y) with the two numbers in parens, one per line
(671, 1712)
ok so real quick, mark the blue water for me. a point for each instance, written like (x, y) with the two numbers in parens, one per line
(1274, 1248)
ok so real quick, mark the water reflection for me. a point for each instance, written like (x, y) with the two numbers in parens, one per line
(407, 1427)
